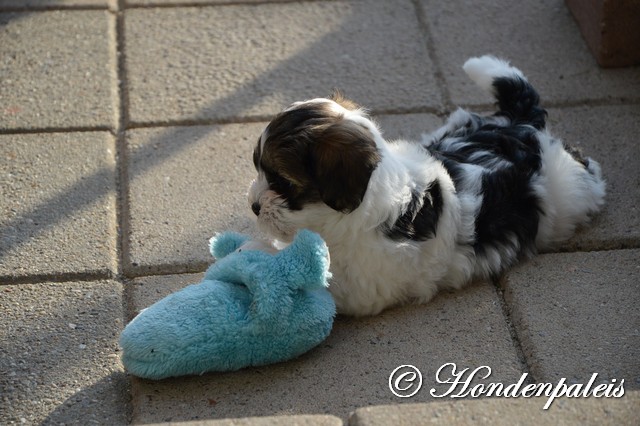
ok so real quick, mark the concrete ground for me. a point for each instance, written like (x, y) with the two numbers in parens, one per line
(126, 130)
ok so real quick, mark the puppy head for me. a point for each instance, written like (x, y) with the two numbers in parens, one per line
(318, 153)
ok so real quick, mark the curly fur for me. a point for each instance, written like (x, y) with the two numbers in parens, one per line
(403, 219)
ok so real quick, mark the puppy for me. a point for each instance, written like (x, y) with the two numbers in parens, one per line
(405, 219)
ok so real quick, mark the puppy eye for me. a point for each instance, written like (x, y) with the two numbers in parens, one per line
(280, 184)
(286, 183)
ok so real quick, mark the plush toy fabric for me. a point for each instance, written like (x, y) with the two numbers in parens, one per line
(252, 308)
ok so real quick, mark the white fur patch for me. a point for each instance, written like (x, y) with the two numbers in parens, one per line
(569, 192)
(485, 69)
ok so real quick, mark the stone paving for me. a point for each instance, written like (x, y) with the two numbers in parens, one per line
(126, 130)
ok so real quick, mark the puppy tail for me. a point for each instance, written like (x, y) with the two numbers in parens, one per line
(517, 99)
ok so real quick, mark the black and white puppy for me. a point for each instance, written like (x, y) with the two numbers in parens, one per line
(404, 219)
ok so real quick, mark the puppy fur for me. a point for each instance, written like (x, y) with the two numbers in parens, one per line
(404, 219)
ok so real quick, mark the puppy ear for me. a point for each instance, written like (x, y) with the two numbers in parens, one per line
(338, 97)
(344, 158)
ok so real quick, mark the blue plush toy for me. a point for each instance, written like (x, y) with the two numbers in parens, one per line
(252, 308)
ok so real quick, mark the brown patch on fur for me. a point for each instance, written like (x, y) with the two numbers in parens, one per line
(338, 97)
(345, 157)
(313, 154)
(577, 154)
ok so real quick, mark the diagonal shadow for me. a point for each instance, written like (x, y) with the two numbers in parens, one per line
(17, 232)
(331, 73)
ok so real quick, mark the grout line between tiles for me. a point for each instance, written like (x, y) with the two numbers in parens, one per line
(52, 8)
(57, 277)
(431, 52)
(124, 5)
(122, 176)
(25, 131)
(121, 148)
(443, 112)
(179, 269)
(161, 269)
(202, 4)
(168, 269)
(513, 332)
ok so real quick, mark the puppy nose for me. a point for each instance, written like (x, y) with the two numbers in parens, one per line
(256, 208)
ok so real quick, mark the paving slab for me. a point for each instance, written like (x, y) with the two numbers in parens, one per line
(608, 134)
(187, 183)
(503, 411)
(59, 361)
(349, 370)
(57, 200)
(577, 314)
(541, 38)
(220, 63)
(58, 70)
